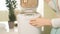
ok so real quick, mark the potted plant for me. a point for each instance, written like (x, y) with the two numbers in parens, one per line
(11, 4)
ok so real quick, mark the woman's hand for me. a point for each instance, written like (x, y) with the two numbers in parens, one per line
(38, 22)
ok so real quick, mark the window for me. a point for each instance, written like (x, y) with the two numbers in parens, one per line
(3, 5)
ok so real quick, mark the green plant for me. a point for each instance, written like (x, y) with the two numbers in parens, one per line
(11, 4)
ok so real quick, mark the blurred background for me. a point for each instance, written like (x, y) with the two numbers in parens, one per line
(8, 26)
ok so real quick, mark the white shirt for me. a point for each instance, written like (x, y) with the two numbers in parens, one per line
(55, 21)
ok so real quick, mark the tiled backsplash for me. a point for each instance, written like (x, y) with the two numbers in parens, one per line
(4, 15)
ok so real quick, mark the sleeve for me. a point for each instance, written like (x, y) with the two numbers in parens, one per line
(59, 3)
(51, 5)
(55, 22)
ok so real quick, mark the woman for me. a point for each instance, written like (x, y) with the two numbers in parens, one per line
(55, 23)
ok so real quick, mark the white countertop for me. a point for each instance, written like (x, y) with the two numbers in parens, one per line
(15, 29)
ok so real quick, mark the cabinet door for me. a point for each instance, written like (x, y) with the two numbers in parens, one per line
(29, 3)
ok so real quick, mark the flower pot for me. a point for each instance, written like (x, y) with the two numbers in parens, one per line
(11, 24)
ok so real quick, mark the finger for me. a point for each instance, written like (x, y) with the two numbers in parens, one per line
(32, 21)
(34, 24)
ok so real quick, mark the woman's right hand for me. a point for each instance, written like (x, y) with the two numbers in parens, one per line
(38, 22)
